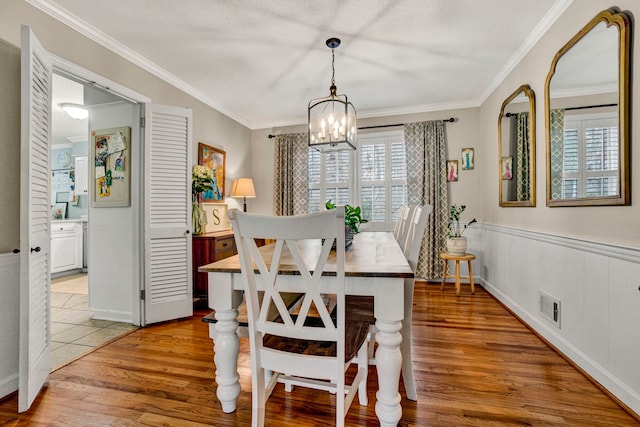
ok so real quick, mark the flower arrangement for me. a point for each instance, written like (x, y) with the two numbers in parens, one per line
(454, 229)
(202, 180)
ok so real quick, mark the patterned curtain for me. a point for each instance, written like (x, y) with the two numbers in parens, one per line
(557, 152)
(290, 175)
(522, 158)
(426, 151)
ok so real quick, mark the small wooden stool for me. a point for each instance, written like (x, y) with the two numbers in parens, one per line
(457, 258)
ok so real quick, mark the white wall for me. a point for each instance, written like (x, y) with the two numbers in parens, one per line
(9, 322)
(599, 297)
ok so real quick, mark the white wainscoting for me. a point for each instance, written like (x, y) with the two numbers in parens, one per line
(597, 284)
(9, 322)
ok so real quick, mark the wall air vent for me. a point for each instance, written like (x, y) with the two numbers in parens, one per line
(550, 308)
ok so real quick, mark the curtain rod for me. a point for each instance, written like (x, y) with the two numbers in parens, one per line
(450, 120)
(590, 106)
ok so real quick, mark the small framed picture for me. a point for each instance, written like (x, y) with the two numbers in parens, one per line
(506, 167)
(59, 211)
(467, 159)
(452, 170)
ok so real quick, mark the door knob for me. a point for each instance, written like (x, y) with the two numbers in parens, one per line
(36, 249)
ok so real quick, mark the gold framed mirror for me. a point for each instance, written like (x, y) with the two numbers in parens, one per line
(587, 115)
(517, 149)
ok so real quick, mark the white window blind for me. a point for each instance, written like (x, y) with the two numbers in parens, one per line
(383, 177)
(381, 174)
(590, 156)
(329, 178)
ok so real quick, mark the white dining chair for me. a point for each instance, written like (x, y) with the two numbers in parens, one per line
(406, 222)
(413, 243)
(361, 307)
(397, 229)
(309, 348)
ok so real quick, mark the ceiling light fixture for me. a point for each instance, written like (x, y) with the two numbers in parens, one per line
(75, 111)
(332, 120)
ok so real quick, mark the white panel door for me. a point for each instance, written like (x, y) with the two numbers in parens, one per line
(35, 220)
(168, 288)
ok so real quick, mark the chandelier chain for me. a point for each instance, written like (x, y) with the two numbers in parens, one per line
(333, 67)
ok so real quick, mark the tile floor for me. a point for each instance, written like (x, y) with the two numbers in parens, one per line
(73, 331)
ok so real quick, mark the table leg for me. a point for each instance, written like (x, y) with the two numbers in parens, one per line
(457, 278)
(388, 364)
(225, 301)
(473, 291)
(444, 274)
(226, 346)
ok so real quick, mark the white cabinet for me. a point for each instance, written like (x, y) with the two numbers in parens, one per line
(82, 172)
(66, 245)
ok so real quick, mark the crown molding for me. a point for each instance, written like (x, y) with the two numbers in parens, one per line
(89, 31)
(543, 26)
(84, 28)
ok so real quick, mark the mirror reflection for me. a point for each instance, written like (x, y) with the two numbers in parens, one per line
(586, 106)
(516, 149)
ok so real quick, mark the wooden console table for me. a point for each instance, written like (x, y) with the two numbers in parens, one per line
(207, 248)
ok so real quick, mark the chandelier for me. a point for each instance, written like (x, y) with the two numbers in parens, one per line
(332, 119)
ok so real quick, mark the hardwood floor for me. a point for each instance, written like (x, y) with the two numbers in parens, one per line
(476, 365)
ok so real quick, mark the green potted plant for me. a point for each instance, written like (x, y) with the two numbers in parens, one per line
(456, 242)
(352, 220)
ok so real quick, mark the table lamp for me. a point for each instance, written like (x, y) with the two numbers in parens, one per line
(243, 187)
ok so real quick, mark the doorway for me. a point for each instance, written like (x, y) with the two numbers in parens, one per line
(77, 327)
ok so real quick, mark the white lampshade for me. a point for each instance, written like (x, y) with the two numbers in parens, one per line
(243, 187)
(75, 111)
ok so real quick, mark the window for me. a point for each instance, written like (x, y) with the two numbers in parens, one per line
(382, 182)
(329, 178)
(383, 177)
(590, 158)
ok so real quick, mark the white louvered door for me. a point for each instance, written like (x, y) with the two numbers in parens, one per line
(35, 220)
(168, 288)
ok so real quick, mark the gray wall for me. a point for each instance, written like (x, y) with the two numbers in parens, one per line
(210, 126)
(9, 147)
(608, 224)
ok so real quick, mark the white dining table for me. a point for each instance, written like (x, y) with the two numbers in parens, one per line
(374, 265)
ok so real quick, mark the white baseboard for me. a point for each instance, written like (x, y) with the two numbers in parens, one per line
(8, 385)
(112, 315)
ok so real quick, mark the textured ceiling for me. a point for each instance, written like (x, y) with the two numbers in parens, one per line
(260, 62)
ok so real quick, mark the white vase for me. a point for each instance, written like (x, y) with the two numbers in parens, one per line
(457, 245)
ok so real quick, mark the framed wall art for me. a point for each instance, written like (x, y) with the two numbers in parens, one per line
(213, 159)
(110, 167)
(467, 159)
(452, 170)
(507, 167)
(217, 216)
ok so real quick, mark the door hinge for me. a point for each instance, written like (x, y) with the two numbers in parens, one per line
(141, 122)
(142, 294)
